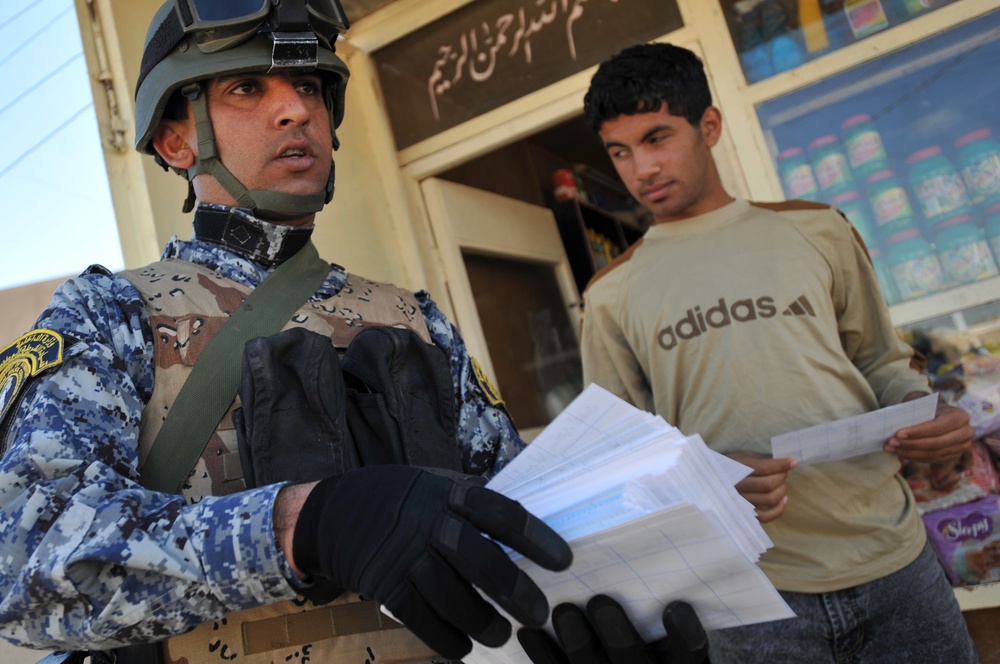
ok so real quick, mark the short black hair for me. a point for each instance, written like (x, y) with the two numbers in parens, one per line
(641, 78)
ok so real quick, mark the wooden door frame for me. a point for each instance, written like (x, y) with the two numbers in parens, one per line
(490, 241)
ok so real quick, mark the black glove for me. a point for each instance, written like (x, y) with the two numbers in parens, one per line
(414, 541)
(607, 636)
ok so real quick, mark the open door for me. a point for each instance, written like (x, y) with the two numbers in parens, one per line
(514, 296)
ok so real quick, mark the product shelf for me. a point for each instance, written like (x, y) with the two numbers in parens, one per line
(984, 596)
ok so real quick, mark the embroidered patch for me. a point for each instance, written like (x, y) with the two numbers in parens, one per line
(492, 394)
(30, 355)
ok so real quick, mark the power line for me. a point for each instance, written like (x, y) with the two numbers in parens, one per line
(45, 140)
(12, 18)
(45, 27)
(40, 82)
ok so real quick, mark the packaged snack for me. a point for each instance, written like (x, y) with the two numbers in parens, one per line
(966, 539)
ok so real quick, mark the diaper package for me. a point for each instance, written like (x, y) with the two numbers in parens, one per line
(966, 539)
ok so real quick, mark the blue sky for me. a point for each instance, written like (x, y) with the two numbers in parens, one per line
(56, 215)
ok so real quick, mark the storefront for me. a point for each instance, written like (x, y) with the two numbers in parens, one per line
(459, 113)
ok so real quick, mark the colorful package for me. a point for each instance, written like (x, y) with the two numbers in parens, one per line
(966, 539)
(981, 400)
(972, 478)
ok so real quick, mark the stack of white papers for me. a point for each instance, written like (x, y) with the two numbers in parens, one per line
(651, 514)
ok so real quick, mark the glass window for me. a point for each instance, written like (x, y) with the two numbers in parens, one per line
(772, 36)
(908, 147)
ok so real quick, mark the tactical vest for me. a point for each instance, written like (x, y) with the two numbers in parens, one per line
(187, 305)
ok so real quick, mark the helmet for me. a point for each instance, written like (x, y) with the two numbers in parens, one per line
(176, 58)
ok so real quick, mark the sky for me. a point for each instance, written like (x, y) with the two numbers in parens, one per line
(56, 215)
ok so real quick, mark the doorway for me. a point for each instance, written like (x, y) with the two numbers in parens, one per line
(525, 309)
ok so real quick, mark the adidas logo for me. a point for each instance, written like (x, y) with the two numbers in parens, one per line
(799, 307)
(723, 314)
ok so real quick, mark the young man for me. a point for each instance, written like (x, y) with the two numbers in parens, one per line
(697, 323)
(94, 560)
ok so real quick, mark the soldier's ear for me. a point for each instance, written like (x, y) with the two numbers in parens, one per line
(171, 141)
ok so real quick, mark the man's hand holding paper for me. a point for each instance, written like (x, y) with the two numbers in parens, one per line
(854, 436)
(942, 439)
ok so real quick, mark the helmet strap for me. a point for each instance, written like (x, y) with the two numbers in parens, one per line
(267, 205)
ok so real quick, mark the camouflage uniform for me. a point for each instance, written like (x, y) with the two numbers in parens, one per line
(91, 559)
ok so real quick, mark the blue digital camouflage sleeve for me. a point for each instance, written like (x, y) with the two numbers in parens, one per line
(488, 437)
(88, 557)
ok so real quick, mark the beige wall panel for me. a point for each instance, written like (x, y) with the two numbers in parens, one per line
(21, 306)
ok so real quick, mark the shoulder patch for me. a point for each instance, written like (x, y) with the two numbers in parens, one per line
(30, 355)
(491, 392)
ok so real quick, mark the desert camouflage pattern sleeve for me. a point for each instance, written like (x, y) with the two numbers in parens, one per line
(88, 557)
(488, 437)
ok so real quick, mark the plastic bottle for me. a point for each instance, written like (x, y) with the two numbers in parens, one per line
(856, 211)
(963, 251)
(979, 163)
(797, 176)
(937, 185)
(914, 266)
(890, 203)
(829, 162)
(991, 228)
(865, 150)
(884, 276)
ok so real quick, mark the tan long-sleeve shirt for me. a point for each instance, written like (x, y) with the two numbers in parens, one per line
(752, 321)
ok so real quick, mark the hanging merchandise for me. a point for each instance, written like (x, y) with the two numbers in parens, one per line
(829, 162)
(785, 50)
(914, 266)
(963, 250)
(856, 211)
(564, 185)
(979, 163)
(890, 203)
(813, 28)
(865, 151)
(907, 9)
(797, 178)
(755, 52)
(865, 16)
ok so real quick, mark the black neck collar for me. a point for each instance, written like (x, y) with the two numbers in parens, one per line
(238, 230)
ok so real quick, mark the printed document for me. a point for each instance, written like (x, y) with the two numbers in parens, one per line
(652, 516)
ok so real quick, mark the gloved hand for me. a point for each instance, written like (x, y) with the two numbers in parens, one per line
(605, 635)
(414, 541)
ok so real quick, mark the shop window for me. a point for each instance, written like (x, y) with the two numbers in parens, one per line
(773, 36)
(908, 147)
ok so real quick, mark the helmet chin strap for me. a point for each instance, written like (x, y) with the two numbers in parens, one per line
(267, 205)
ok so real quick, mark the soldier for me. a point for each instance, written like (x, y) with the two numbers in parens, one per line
(246, 106)
(148, 513)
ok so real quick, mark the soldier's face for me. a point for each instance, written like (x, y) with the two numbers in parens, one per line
(272, 131)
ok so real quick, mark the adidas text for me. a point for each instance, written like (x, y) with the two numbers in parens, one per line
(721, 315)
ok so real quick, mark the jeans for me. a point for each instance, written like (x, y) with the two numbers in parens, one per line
(908, 617)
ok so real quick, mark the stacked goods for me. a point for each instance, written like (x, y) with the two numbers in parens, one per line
(934, 227)
(960, 502)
